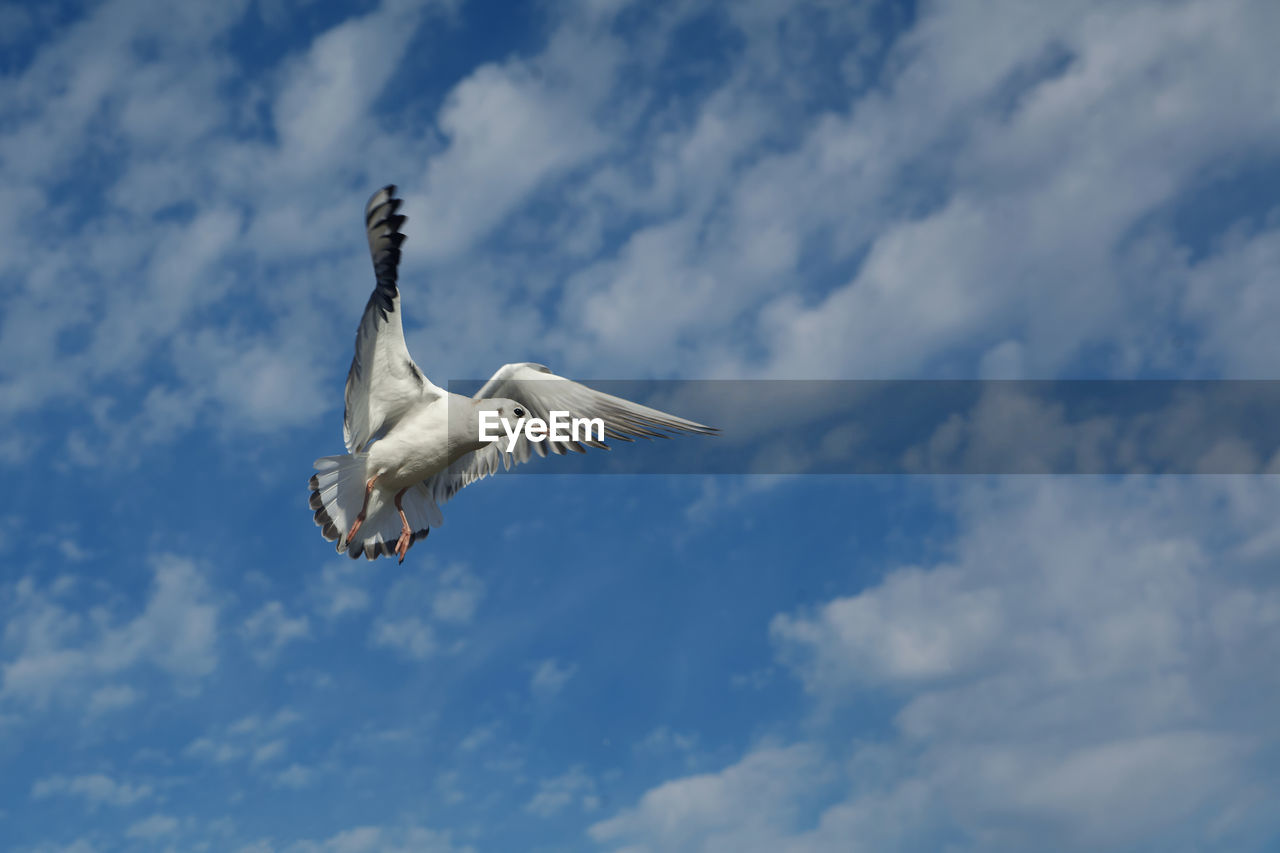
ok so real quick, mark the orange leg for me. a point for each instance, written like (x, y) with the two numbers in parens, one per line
(355, 528)
(406, 532)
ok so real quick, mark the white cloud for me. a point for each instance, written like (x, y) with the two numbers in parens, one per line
(664, 740)
(511, 127)
(410, 636)
(54, 649)
(295, 776)
(264, 384)
(233, 194)
(90, 73)
(112, 697)
(254, 738)
(70, 550)
(1090, 666)
(477, 738)
(743, 807)
(508, 131)
(269, 629)
(1228, 294)
(1000, 210)
(178, 628)
(421, 610)
(153, 828)
(549, 678)
(269, 751)
(999, 196)
(97, 789)
(179, 279)
(254, 724)
(261, 846)
(217, 752)
(868, 637)
(558, 793)
(338, 590)
(982, 187)
(719, 495)
(80, 845)
(370, 839)
(322, 111)
(457, 597)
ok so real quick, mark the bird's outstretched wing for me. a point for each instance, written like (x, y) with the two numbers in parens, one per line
(383, 382)
(542, 391)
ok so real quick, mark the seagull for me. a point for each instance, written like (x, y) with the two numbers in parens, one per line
(411, 445)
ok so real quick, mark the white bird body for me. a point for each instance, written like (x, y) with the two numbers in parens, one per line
(428, 439)
(412, 445)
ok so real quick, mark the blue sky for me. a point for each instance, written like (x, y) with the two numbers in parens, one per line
(628, 190)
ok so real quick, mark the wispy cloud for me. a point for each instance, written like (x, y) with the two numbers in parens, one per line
(295, 776)
(255, 739)
(112, 698)
(1052, 674)
(367, 839)
(97, 789)
(423, 612)
(339, 590)
(153, 828)
(747, 806)
(558, 793)
(54, 649)
(756, 189)
(923, 203)
(549, 678)
(269, 629)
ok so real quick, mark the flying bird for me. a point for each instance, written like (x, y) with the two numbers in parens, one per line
(411, 445)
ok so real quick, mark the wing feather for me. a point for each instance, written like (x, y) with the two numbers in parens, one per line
(542, 391)
(383, 382)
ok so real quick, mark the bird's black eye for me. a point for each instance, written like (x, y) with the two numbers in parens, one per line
(519, 412)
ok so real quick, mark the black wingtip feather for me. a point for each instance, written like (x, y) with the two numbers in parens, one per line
(392, 220)
(382, 225)
(380, 199)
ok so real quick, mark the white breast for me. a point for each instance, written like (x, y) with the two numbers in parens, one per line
(422, 443)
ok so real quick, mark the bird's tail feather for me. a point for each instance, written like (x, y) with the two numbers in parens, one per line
(337, 493)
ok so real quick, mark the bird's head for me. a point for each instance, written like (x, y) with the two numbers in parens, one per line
(508, 410)
(498, 416)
